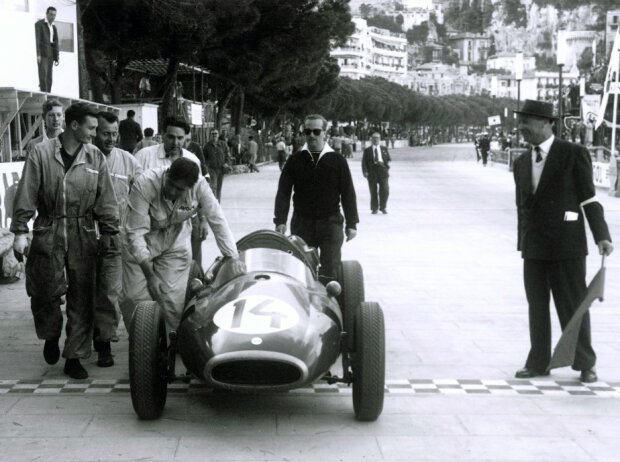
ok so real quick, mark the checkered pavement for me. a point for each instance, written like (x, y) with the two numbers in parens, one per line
(393, 387)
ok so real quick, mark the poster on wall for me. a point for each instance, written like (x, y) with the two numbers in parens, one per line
(10, 173)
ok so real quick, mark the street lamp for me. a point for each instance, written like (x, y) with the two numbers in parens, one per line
(582, 93)
(493, 90)
(561, 58)
(518, 78)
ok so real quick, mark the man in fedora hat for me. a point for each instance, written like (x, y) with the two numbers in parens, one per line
(554, 189)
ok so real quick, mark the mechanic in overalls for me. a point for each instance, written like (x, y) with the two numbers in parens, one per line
(161, 204)
(123, 168)
(66, 182)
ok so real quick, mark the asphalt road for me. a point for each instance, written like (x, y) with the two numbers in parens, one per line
(444, 267)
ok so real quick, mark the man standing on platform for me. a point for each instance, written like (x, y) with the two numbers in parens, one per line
(322, 181)
(554, 190)
(375, 167)
(123, 168)
(66, 182)
(130, 132)
(48, 55)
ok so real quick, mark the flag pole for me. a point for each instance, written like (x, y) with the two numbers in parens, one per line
(613, 158)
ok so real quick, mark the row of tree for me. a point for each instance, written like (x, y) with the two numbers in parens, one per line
(376, 100)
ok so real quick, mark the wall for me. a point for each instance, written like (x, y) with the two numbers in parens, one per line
(18, 50)
(146, 114)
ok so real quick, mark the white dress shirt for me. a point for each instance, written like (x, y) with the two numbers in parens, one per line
(537, 167)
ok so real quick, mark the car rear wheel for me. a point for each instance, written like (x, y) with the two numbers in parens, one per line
(148, 361)
(368, 366)
(352, 283)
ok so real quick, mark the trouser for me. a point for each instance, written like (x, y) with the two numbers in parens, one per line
(281, 159)
(109, 284)
(379, 192)
(45, 73)
(485, 156)
(327, 236)
(216, 182)
(171, 270)
(565, 279)
(45, 289)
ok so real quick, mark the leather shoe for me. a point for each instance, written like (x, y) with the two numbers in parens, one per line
(104, 351)
(384, 212)
(528, 373)
(51, 351)
(374, 212)
(588, 376)
(74, 369)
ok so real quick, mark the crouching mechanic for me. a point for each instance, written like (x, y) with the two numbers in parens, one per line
(66, 182)
(161, 204)
(123, 168)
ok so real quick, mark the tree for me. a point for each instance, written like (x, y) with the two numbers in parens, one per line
(366, 10)
(418, 34)
(384, 22)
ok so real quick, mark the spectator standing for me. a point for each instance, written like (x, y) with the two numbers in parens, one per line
(48, 56)
(281, 151)
(484, 145)
(554, 190)
(66, 182)
(123, 168)
(161, 204)
(197, 233)
(145, 86)
(237, 149)
(130, 132)
(147, 141)
(216, 161)
(375, 168)
(53, 118)
(252, 154)
(321, 181)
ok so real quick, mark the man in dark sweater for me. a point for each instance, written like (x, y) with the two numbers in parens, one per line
(322, 181)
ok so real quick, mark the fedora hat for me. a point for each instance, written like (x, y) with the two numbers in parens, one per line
(536, 108)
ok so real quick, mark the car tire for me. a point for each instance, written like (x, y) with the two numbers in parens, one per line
(352, 284)
(369, 363)
(148, 361)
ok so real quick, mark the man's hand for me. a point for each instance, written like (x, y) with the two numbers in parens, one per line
(203, 229)
(237, 267)
(38, 59)
(151, 280)
(365, 175)
(350, 233)
(20, 244)
(605, 247)
(56, 63)
(281, 229)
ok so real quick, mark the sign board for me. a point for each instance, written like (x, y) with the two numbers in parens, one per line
(495, 120)
(600, 174)
(196, 114)
(589, 107)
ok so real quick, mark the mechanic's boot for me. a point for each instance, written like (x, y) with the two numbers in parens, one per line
(74, 369)
(51, 351)
(106, 359)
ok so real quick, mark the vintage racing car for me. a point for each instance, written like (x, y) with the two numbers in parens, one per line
(274, 328)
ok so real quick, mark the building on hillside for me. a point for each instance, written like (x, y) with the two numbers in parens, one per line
(611, 25)
(371, 51)
(471, 48)
(576, 43)
(436, 79)
(507, 61)
(413, 17)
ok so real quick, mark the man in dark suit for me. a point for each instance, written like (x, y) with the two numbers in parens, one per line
(47, 48)
(375, 167)
(130, 132)
(554, 189)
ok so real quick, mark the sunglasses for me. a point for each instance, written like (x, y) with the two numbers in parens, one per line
(314, 131)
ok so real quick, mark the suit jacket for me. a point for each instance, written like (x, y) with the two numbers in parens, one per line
(551, 221)
(45, 49)
(375, 171)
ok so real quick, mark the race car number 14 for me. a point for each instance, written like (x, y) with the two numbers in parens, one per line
(256, 314)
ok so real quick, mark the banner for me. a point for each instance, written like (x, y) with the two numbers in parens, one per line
(611, 86)
(495, 120)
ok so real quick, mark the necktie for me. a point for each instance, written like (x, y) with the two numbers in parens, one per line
(538, 154)
(376, 156)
